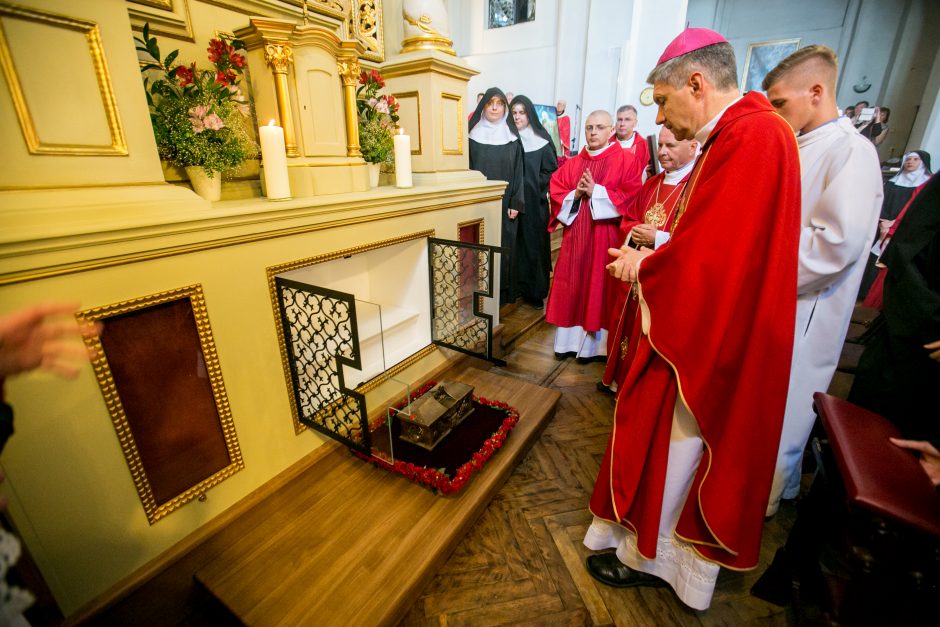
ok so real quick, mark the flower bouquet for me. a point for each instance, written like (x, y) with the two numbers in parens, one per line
(378, 116)
(200, 117)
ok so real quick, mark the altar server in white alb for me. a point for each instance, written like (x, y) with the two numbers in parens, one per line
(841, 195)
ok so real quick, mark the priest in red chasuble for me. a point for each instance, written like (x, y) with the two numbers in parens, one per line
(589, 196)
(646, 225)
(625, 134)
(684, 482)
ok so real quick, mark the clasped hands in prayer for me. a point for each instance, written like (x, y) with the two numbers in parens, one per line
(585, 185)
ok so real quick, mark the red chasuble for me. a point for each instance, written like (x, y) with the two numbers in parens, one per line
(564, 134)
(722, 310)
(655, 205)
(582, 292)
(640, 149)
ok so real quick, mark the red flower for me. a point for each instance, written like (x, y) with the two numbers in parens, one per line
(184, 75)
(218, 49)
(237, 60)
(225, 77)
(363, 78)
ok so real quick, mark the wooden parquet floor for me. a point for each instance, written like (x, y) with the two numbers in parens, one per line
(523, 562)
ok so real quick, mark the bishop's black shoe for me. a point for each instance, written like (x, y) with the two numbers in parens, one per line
(608, 569)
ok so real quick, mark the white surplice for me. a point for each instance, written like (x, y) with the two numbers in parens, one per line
(842, 192)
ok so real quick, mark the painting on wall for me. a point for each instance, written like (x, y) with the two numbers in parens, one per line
(549, 119)
(763, 57)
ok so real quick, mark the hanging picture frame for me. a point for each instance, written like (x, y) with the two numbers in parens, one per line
(763, 57)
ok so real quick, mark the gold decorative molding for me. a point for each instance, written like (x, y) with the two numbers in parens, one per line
(479, 221)
(367, 28)
(118, 145)
(113, 401)
(349, 70)
(273, 271)
(459, 124)
(417, 96)
(429, 65)
(279, 57)
(35, 274)
(166, 17)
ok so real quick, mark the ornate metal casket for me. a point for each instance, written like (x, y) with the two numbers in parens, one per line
(436, 413)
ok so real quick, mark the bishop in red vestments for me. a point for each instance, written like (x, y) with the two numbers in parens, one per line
(684, 482)
(589, 196)
(646, 225)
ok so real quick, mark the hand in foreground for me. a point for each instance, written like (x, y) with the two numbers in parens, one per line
(929, 456)
(512, 213)
(624, 265)
(45, 336)
(644, 235)
(935, 347)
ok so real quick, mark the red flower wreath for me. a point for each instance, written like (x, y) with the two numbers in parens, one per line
(435, 479)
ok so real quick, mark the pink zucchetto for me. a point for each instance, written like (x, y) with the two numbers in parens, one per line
(688, 40)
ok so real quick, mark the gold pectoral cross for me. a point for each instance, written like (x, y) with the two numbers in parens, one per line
(656, 215)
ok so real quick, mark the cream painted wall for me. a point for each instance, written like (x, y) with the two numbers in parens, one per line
(92, 236)
(893, 45)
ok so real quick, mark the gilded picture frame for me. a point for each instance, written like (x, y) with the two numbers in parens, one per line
(763, 57)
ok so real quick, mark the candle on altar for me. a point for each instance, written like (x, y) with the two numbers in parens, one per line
(274, 162)
(402, 159)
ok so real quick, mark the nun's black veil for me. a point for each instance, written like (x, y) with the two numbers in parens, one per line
(533, 117)
(478, 112)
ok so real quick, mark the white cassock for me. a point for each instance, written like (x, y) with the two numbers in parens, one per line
(841, 197)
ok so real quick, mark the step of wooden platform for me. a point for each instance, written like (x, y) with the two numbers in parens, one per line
(349, 544)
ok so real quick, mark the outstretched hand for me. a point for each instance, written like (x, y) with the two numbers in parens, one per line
(626, 259)
(46, 337)
(929, 456)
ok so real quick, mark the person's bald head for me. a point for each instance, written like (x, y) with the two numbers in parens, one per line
(802, 88)
(597, 129)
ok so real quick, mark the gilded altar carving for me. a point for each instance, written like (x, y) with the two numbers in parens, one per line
(349, 70)
(279, 57)
(366, 22)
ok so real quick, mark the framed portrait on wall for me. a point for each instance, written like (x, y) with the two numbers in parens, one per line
(763, 57)
(549, 119)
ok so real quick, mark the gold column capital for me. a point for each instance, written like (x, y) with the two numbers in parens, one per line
(278, 56)
(349, 71)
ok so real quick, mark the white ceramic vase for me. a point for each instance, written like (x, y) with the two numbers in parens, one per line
(374, 171)
(209, 187)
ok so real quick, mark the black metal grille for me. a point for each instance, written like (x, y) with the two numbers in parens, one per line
(321, 334)
(461, 274)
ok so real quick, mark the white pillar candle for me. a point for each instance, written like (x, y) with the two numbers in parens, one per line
(402, 159)
(274, 162)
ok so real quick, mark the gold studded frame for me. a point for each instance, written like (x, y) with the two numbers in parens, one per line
(161, 380)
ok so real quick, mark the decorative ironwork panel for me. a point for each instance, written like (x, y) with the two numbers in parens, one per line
(321, 335)
(461, 273)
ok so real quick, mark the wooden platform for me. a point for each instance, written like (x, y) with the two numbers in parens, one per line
(347, 543)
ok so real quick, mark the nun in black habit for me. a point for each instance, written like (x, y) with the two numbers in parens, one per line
(533, 250)
(495, 150)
